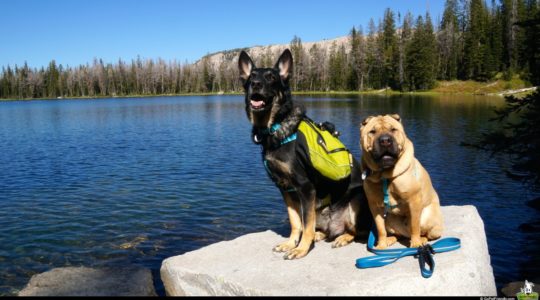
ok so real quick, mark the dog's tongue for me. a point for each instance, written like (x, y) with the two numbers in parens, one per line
(257, 103)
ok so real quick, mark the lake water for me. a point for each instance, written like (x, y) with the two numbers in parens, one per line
(118, 182)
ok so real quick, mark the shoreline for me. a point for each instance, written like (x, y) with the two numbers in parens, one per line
(382, 92)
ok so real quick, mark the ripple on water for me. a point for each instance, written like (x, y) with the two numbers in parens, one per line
(122, 182)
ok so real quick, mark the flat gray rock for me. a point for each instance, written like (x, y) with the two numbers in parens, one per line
(82, 281)
(248, 266)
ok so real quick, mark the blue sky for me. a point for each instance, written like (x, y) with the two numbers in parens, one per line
(74, 32)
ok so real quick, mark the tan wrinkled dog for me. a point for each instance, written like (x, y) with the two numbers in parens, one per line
(414, 210)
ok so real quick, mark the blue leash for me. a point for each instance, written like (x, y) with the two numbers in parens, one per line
(424, 254)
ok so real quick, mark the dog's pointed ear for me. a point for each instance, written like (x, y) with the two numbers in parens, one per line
(396, 116)
(285, 65)
(245, 65)
(366, 120)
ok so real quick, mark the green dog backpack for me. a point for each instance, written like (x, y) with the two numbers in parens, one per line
(327, 153)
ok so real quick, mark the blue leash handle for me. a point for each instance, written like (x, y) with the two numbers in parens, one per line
(384, 257)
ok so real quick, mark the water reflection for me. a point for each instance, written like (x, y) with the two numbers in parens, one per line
(133, 181)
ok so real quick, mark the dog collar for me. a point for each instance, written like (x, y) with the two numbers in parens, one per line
(286, 140)
(258, 137)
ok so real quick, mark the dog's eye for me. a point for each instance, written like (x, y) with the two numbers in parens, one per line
(394, 129)
(253, 74)
(270, 77)
(372, 131)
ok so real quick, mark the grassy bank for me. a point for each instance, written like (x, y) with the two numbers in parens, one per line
(480, 88)
(469, 87)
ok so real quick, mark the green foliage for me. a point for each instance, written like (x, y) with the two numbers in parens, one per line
(531, 57)
(449, 42)
(390, 51)
(474, 61)
(355, 61)
(421, 56)
(519, 134)
(337, 68)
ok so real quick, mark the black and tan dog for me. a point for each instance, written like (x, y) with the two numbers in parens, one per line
(413, 209)
(268, 102)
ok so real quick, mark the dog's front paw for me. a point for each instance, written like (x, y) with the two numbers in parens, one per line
(417, 242)
(381, 245)
(296, 253)
(285, 246)
(385, 243)
(342, 240)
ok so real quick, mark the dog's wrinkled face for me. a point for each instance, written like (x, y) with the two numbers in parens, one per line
(383, 139)
(264, 87)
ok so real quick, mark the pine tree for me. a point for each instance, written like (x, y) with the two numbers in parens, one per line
(531, 27)
(430, 55)
(421, 57)
(390, 51)
(207, 76)
(404, 42)
(51, 80)
(353, 75)
(337, 68)
(448, 42)
(495, 41)
(510, 16)
(475, 43)
(374, 59)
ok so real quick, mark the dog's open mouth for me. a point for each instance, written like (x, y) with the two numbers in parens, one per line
(387, 160)
(257, 102)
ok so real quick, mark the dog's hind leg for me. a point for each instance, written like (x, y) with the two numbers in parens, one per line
(415, 212)
(293, 209)
(319, 236)
(432, 221)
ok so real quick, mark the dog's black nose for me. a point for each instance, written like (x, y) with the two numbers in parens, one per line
(385, 141)
(256, 84)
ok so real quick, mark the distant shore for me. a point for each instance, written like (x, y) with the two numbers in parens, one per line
(457, 87)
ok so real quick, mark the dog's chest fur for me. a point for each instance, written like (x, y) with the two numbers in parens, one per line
(280, 167)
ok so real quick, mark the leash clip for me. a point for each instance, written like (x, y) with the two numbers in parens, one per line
(425, 250)
(425, 256)
(366, 173)
(257, 139)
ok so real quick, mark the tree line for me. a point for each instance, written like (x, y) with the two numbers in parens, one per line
(474, 40)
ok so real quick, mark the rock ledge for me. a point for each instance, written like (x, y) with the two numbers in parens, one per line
(247, 266)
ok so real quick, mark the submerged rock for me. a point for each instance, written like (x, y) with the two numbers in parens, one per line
(82, 281)
(247, 266)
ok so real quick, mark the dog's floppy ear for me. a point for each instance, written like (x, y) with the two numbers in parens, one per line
(245, 65)
(366, 120)
(396, 116)
(285, 65)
